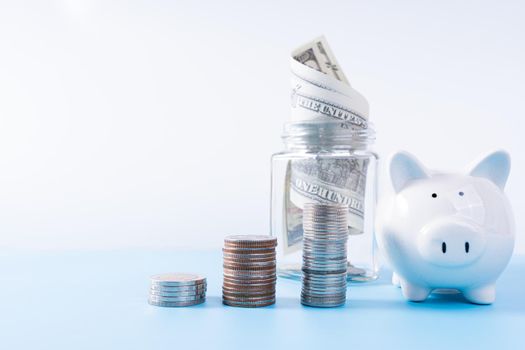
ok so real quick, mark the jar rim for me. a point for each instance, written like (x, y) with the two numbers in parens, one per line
(330, 134)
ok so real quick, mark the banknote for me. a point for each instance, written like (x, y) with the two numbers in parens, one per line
(331, 180)
(320, 89)
(317, 55)
(321, 92)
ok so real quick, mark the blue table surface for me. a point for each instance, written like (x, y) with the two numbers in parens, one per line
(97, 300)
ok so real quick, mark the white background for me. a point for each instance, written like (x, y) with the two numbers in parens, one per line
(151, 123)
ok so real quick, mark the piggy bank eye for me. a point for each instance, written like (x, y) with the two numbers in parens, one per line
(434, 195)
(461, 193)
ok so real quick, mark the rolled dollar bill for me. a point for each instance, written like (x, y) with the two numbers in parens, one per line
(320, 90)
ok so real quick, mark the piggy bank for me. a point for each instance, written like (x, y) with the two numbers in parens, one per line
(447, 231)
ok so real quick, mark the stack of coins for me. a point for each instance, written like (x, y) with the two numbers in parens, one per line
(324, 255)
(177, 289)
(249, 271)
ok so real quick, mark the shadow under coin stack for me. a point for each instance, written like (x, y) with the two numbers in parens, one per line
(177, 289)
(249, 271)
(324, 255)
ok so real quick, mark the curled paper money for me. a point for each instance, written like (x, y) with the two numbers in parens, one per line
(321, 92)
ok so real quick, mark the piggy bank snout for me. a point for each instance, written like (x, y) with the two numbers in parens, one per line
(451, 242)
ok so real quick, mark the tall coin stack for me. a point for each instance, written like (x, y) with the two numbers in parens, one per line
(324, 268)
(249, 271)
(177, 289)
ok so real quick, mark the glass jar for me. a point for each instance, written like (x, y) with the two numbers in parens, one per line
(325, 162)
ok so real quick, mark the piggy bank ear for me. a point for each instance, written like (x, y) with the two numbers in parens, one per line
(404, 168)
(494, 167)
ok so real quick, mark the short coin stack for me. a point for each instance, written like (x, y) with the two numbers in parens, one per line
(177, 289)
(324, 255)
(249, 271)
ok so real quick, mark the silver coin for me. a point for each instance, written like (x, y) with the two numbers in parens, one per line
(175, 304)
(323, 299)
(323, 305)
(325, 240)
(338, 244)
(176, 289)
(324, 247)
(323, 294)
(324, 254)
(320, 252)
(332, 222)
(324, 268)
(176, 298)
(325, 221)
(320, 270)
(327, 245)
(178, 286)
(321, 229)
(318, 256)
(177, 279)
(320, 281)
(324, 277)
(156, 292)
(179, 290)
(328, 242)
(325, 261)
(325, 286)
(321, 287)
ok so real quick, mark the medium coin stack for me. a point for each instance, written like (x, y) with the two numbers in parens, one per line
(177, 289)
(324, 267)
(249, 271)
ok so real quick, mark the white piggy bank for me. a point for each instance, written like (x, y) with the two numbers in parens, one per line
(447, 231)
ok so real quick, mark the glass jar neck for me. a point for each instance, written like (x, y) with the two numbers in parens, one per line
(318, 136)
